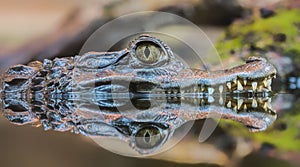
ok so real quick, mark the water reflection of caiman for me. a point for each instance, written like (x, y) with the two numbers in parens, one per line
(140, 94)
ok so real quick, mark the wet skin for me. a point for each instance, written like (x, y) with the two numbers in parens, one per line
(141, 94)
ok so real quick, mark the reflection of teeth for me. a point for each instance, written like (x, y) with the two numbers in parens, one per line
(254, 103)
(221, 101)
(228, 85)
(210, 91)
(254, 85)
(245, 82)
(239, 87)
(221, 89)
(195, 102)
(210, 99)
(229, 104)
(265, 106)
(240, 102)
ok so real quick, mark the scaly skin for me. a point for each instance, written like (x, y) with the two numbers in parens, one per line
(133, 91)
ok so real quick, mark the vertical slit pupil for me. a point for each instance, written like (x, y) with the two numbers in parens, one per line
(147, 52)
(147, 137)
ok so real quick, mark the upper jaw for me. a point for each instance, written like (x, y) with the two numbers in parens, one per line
(254, 76)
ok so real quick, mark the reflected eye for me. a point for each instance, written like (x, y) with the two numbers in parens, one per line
(148, 52)
(148, 137)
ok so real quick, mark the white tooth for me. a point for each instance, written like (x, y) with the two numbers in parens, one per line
(221, 100)
(265, 82)
(245, 107)
(265, 106)
(202, 101)
(228, 85)
(234, 108)
(211, 91)
(254, 85)
(260, 88)
(254, 103)
(239, 85)
(234, 80)
(240, 102)
(269, 82)
(221, 89)
(245, 82)
(210, 99)
(202, 88)
(229, 104)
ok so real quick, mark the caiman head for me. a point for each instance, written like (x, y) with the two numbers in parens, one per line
(148, 86)
(140, 94)
(149, 69)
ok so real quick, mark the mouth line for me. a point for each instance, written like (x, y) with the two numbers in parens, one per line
(245, 87)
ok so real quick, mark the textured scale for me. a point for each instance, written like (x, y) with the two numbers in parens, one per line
(118, 93)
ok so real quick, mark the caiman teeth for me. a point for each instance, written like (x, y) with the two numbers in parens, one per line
(269, 82)
(210, 91)
(254, 103)
(228, 85)
(240, 102)
(229, 104)
(202, 88)
(239, 85)
(234, 80)
(265, 106)
(254, 85)
(265, 82)
(245, 82)
(245, 106)
(221, 89)
(210, 99)
(221, 101)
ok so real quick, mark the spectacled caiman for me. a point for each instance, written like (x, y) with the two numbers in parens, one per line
(141, 93)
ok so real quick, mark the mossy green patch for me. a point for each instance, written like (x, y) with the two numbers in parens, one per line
(259, 32)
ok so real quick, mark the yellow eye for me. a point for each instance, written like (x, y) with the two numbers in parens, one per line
(148, 137)
(148, 52)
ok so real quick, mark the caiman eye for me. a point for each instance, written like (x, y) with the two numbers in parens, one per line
(148, 137)
(148, 52)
